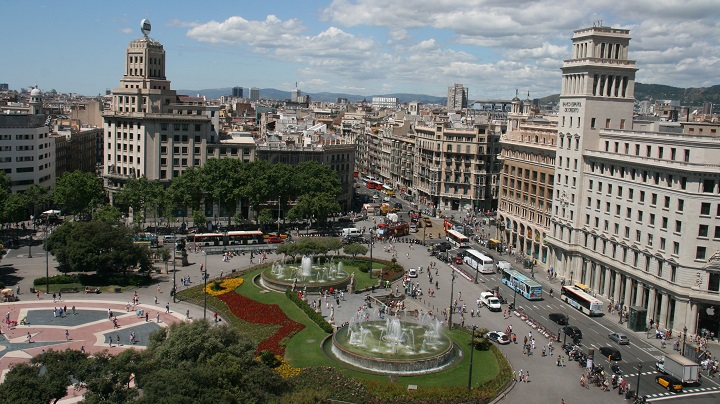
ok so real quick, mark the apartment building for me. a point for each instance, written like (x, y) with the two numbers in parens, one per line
(635, 212)
(457, 98)
(457, 167)
(27, 151)
(526, 184)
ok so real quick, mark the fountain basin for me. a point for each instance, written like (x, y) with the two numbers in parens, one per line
(382, 347)
(307, 276)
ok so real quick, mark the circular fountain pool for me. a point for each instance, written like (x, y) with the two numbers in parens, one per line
(395, 346)
(306, 276)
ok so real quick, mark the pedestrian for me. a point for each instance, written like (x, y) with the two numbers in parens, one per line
(73, 310)
(82, 349)
(54, 296)
(167, 307)
(55, 312)
(67, 335)
(37, 293)
(187, 314)
(527, 376)
(558, 360)
(29, 337)
(146, 317)
(157, 317)
(216, 316)
(60, 296)
(158, 289)
(110, 314)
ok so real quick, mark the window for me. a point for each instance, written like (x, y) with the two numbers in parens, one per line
(673, 153)
(703, 230)
(687, 155)
(638, 235)
(650, 240)
(620, 191)
(683, 183)
(652, 219)
(681, 205)
(700, 253)
(642, 196)
(662, 243)
(708, 186)
(627, 232)
(705, 209)
(592, 123)
(673, 273)
(678, 226)
(628, 213)
(640, 216)
(607, 123)
(667, 202)
(664, 223)
(717, 232)
(676, 248)
(617, 229)
(660, 268)
(631, 193)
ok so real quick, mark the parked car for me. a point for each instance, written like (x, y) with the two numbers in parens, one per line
(573, 331)
(621, 339)
(611, 353)
(498, 336)
(458, 260)
(274, 240)
(558, 318)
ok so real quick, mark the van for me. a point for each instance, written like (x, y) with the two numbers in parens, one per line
(502, 265)
(351, 232)
(168, 239)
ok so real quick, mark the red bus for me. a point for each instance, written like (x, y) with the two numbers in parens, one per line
(374, 185)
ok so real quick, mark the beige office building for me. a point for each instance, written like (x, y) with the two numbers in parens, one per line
(635, 213)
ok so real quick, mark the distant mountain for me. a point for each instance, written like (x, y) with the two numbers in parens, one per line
(274, 94)
(686, 96)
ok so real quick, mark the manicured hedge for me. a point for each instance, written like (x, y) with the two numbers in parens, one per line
(314, 316)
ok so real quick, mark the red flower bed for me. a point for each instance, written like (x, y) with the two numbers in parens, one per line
(260, 313)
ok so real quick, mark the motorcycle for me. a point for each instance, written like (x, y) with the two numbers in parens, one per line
(616, 368)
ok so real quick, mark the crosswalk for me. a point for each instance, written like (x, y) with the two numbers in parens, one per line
(686, 392)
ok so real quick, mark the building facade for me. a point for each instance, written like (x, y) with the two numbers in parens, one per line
(150, 131)
(635, 212)
(526, 184)
(457, 98)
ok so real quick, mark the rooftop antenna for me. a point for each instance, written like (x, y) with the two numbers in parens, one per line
(597, 23)
(516, 93)
(145, 27)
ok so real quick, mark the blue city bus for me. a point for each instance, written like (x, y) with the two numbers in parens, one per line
(525, 286)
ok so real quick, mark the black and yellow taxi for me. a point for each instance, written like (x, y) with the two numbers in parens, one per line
(669, 382)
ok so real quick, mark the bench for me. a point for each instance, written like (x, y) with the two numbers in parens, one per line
(69, 290)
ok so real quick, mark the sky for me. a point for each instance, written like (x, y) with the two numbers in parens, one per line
(364, 47)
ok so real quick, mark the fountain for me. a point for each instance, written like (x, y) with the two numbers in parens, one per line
(308, 276)
(394, 345)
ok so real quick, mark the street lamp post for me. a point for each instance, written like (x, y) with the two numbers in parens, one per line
(174, 289)
(47, 263)
(684, 337)
(472, 348)
(637, 389)
(30, 239)
(567, 324)
(371, 253)
(204, 275)
(452, 285)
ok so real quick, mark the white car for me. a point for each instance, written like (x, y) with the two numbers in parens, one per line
(386, 199)
(412, 273)
(489, 300)
(375, 196)
(499, 337)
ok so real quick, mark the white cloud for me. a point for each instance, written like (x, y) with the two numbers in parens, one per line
(126, 30)
(272, 32)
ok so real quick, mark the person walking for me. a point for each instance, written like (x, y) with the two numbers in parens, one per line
(167, 307)
(67, 335)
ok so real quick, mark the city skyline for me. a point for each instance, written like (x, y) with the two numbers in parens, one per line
(360, 47)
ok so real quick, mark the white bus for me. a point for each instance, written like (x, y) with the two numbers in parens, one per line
(479, 262)
(457, 239)
(582, 301)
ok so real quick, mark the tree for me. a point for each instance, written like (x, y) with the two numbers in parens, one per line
(97, 247)
(318, 205)
(199, 219)
(189, 189)
(78, 192)
(25, 383)
(35, 195)
(265, 217)
(108, 214)
(225, 181)
(355, 249)
(14, 209)
(140, 194)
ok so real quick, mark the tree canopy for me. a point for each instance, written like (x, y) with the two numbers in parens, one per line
(78, 192)
(185, 363)
(96, 246)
